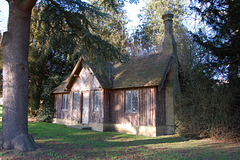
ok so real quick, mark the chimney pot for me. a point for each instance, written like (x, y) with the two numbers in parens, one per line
(167, 16)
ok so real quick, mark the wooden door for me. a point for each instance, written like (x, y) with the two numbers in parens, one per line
(85, 112)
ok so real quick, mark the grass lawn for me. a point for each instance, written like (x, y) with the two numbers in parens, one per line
(59, 142)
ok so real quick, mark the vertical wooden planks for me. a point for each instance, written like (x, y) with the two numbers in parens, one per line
(146, 115)
(58, 105)
(161, 110)
(106, 106)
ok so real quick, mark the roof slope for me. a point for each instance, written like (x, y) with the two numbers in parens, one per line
(141, 71)
(149, 70)
(103, 73)
(61, 87)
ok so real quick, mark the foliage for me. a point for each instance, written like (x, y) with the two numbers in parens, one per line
(205, 107)
(49, 56)
(149, 35)
(46, 111)
(79, 17)
(112, 28)
(57, 42)
(220, 35)
(210, 108)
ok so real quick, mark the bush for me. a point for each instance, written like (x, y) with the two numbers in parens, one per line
(207, 109)
(46, 113)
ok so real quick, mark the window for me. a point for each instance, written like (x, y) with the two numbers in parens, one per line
(75, 100)
(131, 105)
(96, 101)
(65, 101)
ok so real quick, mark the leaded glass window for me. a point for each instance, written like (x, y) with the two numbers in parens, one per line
(76, 98)
(96, 101)
(131, 105)
(65, 101)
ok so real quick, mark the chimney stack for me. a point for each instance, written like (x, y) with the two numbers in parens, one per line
(172, 83)
(169, 44)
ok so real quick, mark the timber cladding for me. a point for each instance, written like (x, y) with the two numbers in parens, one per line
(58, 105)
(148, 105)
(72, 113)
(62, 113)
(161, 107)
(112, 107)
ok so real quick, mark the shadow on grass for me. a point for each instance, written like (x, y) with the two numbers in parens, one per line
(59, 142)
(134, 151)
(44, 132)
(52, 132)
(126, 142)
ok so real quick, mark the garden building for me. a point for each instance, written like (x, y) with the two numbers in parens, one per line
(136, 97)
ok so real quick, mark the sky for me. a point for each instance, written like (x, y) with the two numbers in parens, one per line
(132, 9)
(3, 15)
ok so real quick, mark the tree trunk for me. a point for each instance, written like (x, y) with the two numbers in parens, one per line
(15, 78)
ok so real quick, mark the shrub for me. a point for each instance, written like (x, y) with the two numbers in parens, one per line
(46, 112)
(207, 108)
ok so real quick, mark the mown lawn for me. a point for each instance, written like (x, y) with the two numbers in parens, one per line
(59, 142)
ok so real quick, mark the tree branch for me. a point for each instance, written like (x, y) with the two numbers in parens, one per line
(67, 16)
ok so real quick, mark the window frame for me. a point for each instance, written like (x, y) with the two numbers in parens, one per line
(96, 108)
(134, 97)
(65, 102)
(74, 105)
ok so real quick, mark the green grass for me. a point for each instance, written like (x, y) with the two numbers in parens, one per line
(59, 142)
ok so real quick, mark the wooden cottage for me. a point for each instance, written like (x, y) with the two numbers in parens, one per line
(136, 97)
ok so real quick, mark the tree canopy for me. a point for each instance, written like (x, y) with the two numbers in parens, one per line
(209, 104)
(220, 35)
(149, 35)
(55, 47)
